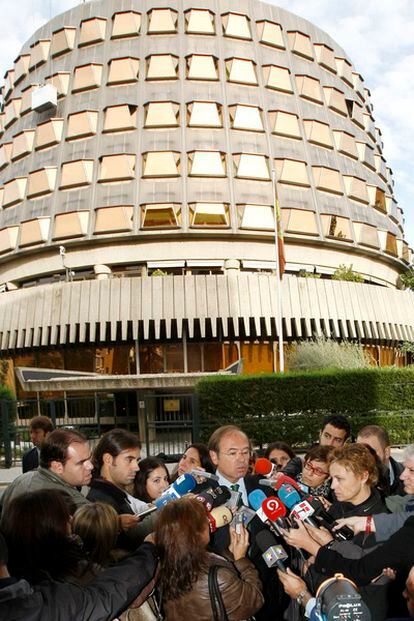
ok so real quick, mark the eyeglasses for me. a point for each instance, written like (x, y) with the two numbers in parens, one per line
(245, 453)
(315, 470)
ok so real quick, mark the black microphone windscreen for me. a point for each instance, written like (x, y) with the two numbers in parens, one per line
(265, 539)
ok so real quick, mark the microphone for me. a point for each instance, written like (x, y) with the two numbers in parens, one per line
(274, 510)
(197, 472)
(282, 479)
(265, 467)
(255, 498)
(214, 497)
(163, 500)
(299, 509)
(218, 517)
(273, 554)
(326, 520)
(184, 484)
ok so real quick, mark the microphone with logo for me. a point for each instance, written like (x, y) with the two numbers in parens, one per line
(218, 517)
(256, 499)
(299, 509)
(273, 554)
(275, 511)
(183, 485)
(325, 519)
(213, 497)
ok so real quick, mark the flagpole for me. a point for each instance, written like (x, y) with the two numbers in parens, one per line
(279, 309)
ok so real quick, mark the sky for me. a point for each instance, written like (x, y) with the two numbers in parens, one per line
(376, 34)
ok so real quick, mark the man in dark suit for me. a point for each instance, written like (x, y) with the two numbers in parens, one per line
(378, 439)
(230, 452)
(39, 429)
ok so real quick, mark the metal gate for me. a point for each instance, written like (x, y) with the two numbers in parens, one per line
(171, 423)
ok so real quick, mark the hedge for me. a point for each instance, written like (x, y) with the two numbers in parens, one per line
(290, 406)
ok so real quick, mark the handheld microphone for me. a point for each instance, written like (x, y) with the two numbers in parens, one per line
(255, 498)
(326, 520)
(163, 500)
(218, 517)
(265, 467)
(197, 472)
(274, 510)
(184, 484)
(246, 515)
(282, 479)
(273, 554)
(213, 497)
(299, 509)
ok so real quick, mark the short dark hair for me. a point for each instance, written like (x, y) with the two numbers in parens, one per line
(114, 442)
(42, 422)
(218, 435)
(339, 422)
(280, 446)
(319, 453)
(378, 432)
(55, 447)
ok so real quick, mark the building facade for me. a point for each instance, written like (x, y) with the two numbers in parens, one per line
(138, 145)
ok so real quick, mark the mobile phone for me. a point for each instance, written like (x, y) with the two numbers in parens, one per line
(238, 522)
(147, 511)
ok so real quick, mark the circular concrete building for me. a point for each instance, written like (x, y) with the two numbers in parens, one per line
(137, 212)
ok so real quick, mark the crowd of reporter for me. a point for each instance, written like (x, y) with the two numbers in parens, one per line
(228, 535)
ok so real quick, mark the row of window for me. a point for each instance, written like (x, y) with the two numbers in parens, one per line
(164, 21)
(204, 67)
(165, 114)
(119, 219)
(118, 168)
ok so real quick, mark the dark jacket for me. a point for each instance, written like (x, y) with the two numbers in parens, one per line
(397, 553)
(375, 596)
(105, 491)
(104, 598)
(239, 586)
(397, 487)
(30, 460)
(275, 600)
(371, 506)
(102, 490)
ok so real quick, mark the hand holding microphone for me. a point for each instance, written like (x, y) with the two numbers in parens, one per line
(300, 538)
(239, 542)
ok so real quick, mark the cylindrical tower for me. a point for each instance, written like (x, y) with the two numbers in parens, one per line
(157, 156)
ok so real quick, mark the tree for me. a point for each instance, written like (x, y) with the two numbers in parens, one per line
(407, 279)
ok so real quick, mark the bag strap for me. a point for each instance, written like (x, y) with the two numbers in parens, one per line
(217, 604)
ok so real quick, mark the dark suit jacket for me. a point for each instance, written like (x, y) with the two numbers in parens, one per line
(275, 599)
(30, 460)
(397, 488)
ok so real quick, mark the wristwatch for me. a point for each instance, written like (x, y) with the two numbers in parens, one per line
(301, 597)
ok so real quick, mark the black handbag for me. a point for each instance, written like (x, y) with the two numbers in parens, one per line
(217, 604)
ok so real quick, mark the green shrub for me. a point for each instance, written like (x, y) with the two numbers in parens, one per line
(323, 353)
(305, 274)
(290, 407)
(347, 273)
